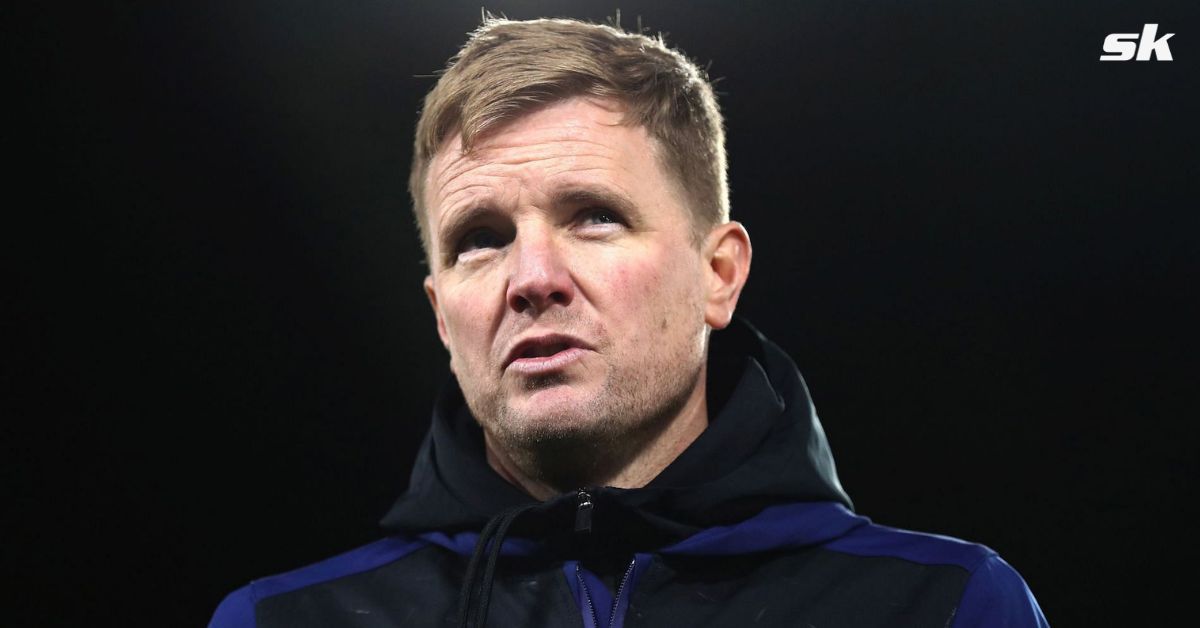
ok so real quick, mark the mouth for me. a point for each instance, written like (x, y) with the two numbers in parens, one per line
(542, 354)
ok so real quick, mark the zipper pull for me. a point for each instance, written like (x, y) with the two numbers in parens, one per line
(583, 512)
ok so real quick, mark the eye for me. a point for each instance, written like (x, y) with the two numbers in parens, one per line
(477, 239)
(600, 216)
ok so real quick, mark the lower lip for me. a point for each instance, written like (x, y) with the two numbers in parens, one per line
(546, 364)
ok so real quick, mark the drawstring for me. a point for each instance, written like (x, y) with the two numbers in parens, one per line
(493, 533)
(464, 596)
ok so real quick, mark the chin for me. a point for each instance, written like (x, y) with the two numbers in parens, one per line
(554, 395)
(555, 413)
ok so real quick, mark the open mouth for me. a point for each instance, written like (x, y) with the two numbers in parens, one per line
(543, 350)
(542, 354)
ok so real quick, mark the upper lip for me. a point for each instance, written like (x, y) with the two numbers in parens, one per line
(545, 344)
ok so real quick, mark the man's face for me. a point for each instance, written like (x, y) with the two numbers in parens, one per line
(566, 281)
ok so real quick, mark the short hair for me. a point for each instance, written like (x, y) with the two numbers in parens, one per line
(510, 68)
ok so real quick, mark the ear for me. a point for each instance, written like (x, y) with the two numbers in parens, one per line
(727, 266)
(431, 292)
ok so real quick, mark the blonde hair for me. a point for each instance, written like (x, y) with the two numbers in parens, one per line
(509, 68)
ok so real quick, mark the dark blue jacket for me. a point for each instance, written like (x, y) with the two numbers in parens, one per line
(748, 527)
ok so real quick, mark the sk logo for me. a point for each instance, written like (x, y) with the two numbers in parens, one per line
(1121, 46)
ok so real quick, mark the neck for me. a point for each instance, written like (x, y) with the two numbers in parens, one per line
(646, 454)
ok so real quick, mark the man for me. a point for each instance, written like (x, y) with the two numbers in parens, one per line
(601, 456)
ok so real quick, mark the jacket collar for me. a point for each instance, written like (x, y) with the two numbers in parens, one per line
(764, 447)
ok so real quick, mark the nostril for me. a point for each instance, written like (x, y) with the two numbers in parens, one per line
(530, 291)
(531, 299)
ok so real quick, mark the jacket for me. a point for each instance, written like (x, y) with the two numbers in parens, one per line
(748, 526)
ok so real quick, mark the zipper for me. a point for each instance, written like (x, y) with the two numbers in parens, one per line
(587, 596)
(583, 525)
(583, 512)
(612, 615)
(616, 603)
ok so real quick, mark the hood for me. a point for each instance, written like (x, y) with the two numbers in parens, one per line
(764, 447)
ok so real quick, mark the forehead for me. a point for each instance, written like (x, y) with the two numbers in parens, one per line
(578, 138)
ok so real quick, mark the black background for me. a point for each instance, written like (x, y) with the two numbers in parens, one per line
(977, 241)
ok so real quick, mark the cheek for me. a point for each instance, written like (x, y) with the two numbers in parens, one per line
(624, 282)
(653, 292)
(467, 316)
(634, 282)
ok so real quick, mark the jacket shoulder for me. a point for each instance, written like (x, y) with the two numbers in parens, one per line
(997, 596)
(918, 547)
(237, 610)
(994, 595)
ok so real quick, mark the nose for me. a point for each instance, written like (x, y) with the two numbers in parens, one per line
(540, 277)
